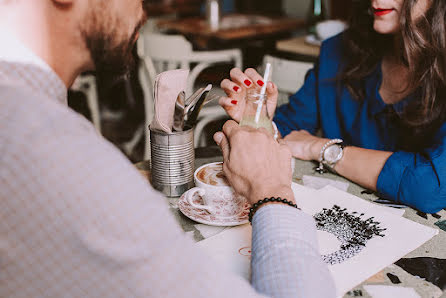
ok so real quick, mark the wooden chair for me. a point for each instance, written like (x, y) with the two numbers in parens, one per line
(86, 83)
(160, 52)
(288, 75)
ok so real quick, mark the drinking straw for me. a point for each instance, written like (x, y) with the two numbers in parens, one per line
(263, 91)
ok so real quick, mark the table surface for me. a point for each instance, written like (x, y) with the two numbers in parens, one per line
(157, 9)
(251, 28)
(298, 46)
(435, 248)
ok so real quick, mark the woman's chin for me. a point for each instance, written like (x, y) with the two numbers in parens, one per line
(385, 27)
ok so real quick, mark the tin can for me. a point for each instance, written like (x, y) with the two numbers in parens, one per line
(172, 161)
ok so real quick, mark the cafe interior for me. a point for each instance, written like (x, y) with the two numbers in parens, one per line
(248, 34)
(396, 251)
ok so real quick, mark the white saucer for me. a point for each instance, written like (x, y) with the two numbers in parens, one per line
(204, 217)
(313, 40)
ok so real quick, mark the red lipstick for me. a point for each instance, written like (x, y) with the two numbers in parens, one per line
(381, 11)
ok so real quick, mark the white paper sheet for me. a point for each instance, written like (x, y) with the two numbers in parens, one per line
(377, 291)
(400, 237)
(318, 183)
(301, 193)
(232, 249)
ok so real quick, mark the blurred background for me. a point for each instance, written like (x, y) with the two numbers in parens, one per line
(255, 31)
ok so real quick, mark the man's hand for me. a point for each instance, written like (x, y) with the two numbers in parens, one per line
(236, 88)
(304, 145)
(254, 163)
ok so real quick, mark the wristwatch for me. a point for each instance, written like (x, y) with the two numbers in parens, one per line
(331, 153)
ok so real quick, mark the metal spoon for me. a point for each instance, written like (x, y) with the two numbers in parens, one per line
(192, 114)
(179, 113)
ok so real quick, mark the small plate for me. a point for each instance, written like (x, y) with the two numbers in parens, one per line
(313, 40)
(204, 217)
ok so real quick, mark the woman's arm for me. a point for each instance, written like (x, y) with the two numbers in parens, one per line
(417, 180)
(357, 164)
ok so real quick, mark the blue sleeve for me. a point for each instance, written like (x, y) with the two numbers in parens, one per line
(303, 109)
(301, 112)
(415, 179)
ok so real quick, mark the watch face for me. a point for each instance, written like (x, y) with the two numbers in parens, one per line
(332, 153)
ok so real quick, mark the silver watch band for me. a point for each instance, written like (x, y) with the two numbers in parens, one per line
(322, 162)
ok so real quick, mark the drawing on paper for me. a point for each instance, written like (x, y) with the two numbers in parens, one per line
(350, 228)
(245, 251)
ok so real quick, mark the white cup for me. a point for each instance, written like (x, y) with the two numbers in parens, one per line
(219, 200)
(327, 29)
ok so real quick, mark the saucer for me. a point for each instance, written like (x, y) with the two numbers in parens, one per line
(204, 217)
(313, 40)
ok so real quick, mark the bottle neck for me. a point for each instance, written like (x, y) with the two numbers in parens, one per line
(317, 7)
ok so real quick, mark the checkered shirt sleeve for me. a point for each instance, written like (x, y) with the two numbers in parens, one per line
(285, 255)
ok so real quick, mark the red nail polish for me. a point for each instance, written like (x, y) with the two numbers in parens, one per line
(234, 102)
(260, 83)
(236, 88)
(247, 83)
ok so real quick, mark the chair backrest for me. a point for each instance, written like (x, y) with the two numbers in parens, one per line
(167, 52)
(288, 75)
(160, 52)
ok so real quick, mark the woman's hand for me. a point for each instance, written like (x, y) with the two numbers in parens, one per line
(236, 89)
(304, 145)
(254, 163)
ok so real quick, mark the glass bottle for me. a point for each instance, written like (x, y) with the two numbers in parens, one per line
(252, 101)
(213, 14)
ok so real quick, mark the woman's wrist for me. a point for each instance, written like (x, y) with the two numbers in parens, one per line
(316, 148)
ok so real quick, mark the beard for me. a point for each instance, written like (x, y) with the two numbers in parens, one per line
(112, 58)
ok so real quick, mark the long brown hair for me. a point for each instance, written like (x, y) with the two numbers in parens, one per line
(423, 51)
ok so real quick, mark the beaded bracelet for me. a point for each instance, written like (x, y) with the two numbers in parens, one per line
(256, 206)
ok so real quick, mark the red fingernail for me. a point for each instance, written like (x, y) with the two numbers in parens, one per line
(236, 88)
(234, 102)
(247, 83)
(260, 82)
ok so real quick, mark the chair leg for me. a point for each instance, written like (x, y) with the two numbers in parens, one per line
(93, 105)
(198, 131)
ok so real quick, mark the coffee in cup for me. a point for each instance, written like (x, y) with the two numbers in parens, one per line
(212, 174)
(219, 198)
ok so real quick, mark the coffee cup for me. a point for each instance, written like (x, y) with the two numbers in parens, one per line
(218, 197)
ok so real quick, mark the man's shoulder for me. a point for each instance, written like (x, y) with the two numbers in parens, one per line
(32, 116)
(29, 107)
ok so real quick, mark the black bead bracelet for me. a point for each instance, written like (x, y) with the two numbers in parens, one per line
(256, 206)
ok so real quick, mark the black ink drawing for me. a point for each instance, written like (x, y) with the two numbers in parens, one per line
(349, 228)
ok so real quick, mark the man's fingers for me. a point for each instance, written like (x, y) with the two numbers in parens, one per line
(230, 127)
(223, 143)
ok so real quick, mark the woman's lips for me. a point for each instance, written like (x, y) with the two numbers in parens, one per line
(381, 11)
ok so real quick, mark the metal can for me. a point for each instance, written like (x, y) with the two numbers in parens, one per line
(172, 161)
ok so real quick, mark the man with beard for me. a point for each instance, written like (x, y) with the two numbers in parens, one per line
(76, 218)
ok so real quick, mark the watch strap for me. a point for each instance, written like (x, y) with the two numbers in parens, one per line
(322, 162)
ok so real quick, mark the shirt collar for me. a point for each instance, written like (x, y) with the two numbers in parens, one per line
(377, 105)
(19, 65)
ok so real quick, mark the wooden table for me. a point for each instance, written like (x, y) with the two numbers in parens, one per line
(297, 48)
(254, 35)
(251, 28)
(159, 9)
(434, 249)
